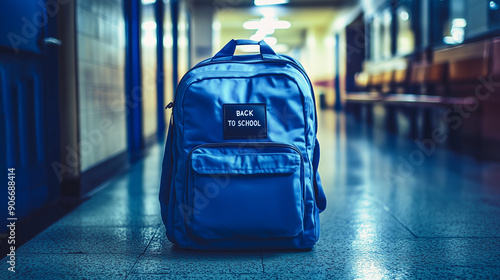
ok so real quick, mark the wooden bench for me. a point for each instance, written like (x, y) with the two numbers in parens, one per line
(416, 78)
(361, 102)
(466, 65)
(490, 123)
(418, 91)
(428, 91)
(426, 100)
(399, 82)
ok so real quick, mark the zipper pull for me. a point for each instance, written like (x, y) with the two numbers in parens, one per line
(170, 105)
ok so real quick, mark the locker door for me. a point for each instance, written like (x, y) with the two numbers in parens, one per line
(29, 103)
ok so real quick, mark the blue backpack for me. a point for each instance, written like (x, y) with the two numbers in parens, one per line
(240, 169)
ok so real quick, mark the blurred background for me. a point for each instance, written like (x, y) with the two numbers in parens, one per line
(84, 83)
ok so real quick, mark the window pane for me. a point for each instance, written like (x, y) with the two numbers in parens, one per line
(380, 34)
(405, 36)
(494, 14)
(463, 19)
(148, 60)
(386, 33)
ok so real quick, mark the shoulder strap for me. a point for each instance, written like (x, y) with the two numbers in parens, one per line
(167, 167)
(318, 189)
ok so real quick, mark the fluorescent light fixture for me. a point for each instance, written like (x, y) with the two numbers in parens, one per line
(266, 23)
(146, 2)
(459, 22)
(269, 2)
(148, 25)
(271, 41)
(266, 26)
(257, 37)
(282, 24)
(252, 24)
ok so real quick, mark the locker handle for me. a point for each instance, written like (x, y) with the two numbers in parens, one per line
(52, 41)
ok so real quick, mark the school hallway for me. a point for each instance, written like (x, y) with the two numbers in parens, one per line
(437, 217)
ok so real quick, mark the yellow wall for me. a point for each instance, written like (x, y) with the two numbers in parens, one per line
(317, 58)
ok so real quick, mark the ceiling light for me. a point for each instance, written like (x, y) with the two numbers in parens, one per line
(257, 37)
(252, 24)
(269, 2)
(271, 41)
(261, 34)
(146, 2)
(266, 23)
(282, 24)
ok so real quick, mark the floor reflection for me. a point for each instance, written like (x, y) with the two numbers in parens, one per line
(386, 218)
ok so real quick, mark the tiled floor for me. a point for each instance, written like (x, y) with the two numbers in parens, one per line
(392, 213)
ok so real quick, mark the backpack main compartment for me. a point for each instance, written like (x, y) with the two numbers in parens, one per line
(238, 170)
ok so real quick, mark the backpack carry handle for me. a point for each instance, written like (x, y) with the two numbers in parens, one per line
(227, 52)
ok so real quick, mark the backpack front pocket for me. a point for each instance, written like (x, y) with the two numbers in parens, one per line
(249, 191)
